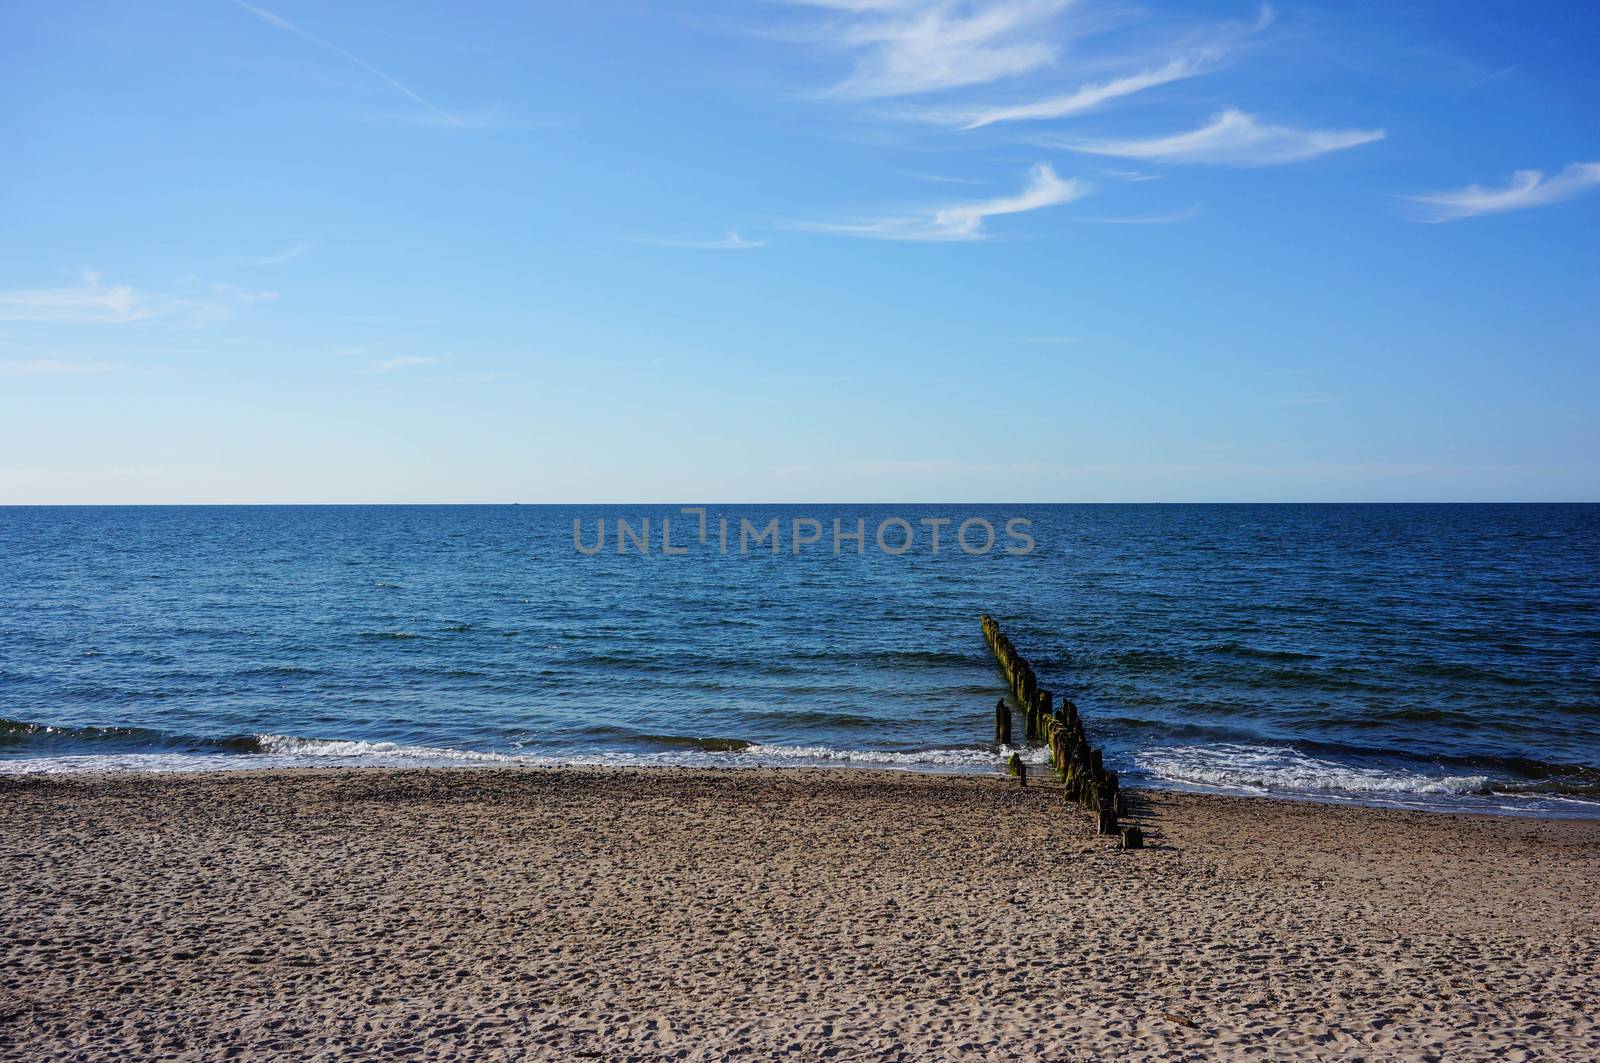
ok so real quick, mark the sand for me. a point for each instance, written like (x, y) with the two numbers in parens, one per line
(761, 914)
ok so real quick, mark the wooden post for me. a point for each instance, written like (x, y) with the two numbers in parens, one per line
(1057, 724)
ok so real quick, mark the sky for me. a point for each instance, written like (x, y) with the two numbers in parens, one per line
(798, 250)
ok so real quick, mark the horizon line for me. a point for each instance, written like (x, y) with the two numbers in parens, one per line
(552, 505)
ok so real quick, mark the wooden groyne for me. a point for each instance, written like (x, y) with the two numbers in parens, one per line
(1057, 726)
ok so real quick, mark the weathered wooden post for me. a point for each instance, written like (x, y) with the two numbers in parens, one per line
(1002, 723)
(1059, 727)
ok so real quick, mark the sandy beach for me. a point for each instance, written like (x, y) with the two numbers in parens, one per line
(691, 914)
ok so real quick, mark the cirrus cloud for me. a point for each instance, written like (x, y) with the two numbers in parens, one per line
(963, 221)
(1526, 189)
(92, 303)
(1199, 54)
(1231, 138)
(907, 47)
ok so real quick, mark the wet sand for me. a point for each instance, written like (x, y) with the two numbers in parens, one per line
(760, 914)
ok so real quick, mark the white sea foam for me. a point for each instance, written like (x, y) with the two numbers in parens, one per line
(287, 751)
(1278, 769)
(1228, 768)
(289, 746)
(277, 751)
(968, 757)
(147, 762)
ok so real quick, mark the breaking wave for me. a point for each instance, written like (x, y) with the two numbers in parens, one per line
(1279, 769)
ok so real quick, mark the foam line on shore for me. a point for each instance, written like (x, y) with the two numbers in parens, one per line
(1277, 771)
(1273, 769)
(288, 751)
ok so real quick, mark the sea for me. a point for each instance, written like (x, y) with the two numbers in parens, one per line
(1420, 656)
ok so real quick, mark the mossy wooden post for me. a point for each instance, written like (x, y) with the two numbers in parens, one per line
(1030, 708)
(1057, 725)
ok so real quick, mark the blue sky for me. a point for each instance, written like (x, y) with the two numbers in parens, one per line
(878, 250)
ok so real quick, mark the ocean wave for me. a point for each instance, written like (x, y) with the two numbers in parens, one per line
(969, 756)
(290, 746)
(20, 734)
(1279, 769)
(704, 745)
(701, 751)
(1211, 762)
(287, 751)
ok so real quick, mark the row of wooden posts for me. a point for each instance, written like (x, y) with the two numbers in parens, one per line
(1084, 778)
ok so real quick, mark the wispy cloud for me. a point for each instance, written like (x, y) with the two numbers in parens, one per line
(406, 362)
(286, 255)
(915, 46)
(53, 367)
(1232, 138)
(1134, 176)
(443, 117)
(87, 303)
(937, 178)
(1080, 101)
(1526, 189)
(964, 221)
(1493, 75)
(731, 242)
(91, 302)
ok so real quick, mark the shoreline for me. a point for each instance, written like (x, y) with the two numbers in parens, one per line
(1498, 803)
(636, 913)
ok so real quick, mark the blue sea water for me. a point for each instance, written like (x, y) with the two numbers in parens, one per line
(1420, 655)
